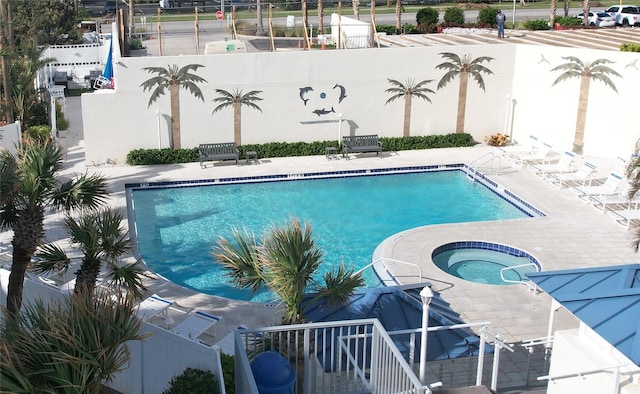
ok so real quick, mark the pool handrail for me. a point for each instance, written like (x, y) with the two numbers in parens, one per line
(532, 288)
(381, 259)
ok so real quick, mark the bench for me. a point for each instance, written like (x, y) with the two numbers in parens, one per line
(218, 151)
(361, 143)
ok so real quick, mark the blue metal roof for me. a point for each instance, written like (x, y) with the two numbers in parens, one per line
(399, 308)
(607, 299)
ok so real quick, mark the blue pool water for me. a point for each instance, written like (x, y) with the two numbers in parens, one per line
(176, 227)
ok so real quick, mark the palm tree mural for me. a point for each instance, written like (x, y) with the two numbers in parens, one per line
(464, 67)
(408, 91)
(29, 188)
(285, 262)
(103, 241)
(236, 100)
(586, 71)
(173, 78)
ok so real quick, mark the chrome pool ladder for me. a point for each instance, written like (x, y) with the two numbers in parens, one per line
(486, 158)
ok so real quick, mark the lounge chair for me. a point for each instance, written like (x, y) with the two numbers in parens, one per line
(625, 217)
(196, 324)
(582, 175)
(536, 156)
(610, 186)
(621, 198)
(151, 307)
(532, 144)
(565, 164)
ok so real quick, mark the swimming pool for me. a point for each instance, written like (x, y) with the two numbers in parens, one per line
(176, 224)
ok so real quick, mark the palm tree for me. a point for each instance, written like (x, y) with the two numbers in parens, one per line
(320, 17)
(398, 16)
(285, 262)
(355, 4)
(31, 178)
(173, 78)
(64, 348)
(464, 67)
(102, 240)
(408, 91)
(236, 99)
(552, 16)
(586, 71)
(633, 174)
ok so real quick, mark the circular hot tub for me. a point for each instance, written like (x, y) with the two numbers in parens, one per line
(485, 262)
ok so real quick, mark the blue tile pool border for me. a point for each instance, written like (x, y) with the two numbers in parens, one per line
(484, 245)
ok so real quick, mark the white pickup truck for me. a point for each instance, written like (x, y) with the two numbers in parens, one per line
(626, 15)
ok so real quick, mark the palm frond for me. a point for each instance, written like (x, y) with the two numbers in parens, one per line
(339, 285)
(446, 78)
(239, 258)
(51, 258)
(87, 191)
(130, 278)
(606, 80)
(193, 88)
(565, 76)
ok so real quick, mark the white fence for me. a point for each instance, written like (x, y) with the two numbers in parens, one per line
(355, 356)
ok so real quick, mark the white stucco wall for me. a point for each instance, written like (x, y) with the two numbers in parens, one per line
(583, 351)
(115, 122)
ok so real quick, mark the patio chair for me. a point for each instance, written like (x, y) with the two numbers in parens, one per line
(619, 199)
(582, 175)
(610, 186)
(625, 217)
(151, 307)
(565, 164)
(537, 156)
(197, 324)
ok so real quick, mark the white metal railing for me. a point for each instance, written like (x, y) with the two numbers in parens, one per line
(533, 288)
(346, 356)
(490, 157)
(613, 369)
(383, 259)
(487, 334)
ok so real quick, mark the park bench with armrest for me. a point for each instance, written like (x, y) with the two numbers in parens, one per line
(361, 143)
(218, 151)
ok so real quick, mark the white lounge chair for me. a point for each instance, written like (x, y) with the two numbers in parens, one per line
(532, 144)
(610, 186)
(196, 324)
(536, 156)
(565, 164)
(625, 217)
(151, 307)
(582, 175)
(621, 198)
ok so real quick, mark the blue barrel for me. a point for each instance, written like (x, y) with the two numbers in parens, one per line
(273, 374)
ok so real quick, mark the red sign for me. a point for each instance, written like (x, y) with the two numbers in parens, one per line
(219, 15)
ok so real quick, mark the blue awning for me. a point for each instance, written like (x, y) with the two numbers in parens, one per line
(607, 299)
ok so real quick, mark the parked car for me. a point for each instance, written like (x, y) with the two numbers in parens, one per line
(626, 15)
(600, 19)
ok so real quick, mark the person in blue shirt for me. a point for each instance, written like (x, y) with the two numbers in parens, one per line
(500, 19)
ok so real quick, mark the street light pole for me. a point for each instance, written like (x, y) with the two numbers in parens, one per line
(426, 294)
(159, 135)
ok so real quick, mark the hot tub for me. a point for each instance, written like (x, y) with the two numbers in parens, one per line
(485, 262)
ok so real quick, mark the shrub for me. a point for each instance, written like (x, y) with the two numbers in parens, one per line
(536, 24)
(454, 15)
(630, 47)
(38, 133)
(290, 149)
(62, 123)
(568, 21)
(487, 16)
(389, 29)
(427, 16)
(228, 372)
(498, 139)
(193, 381)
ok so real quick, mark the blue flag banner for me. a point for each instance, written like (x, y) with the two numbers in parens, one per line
(105, 81)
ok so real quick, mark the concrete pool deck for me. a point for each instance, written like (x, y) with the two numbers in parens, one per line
(572, 235)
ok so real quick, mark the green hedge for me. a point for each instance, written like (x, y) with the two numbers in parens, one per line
(536, 24)
(285, 149)
(630, 47)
